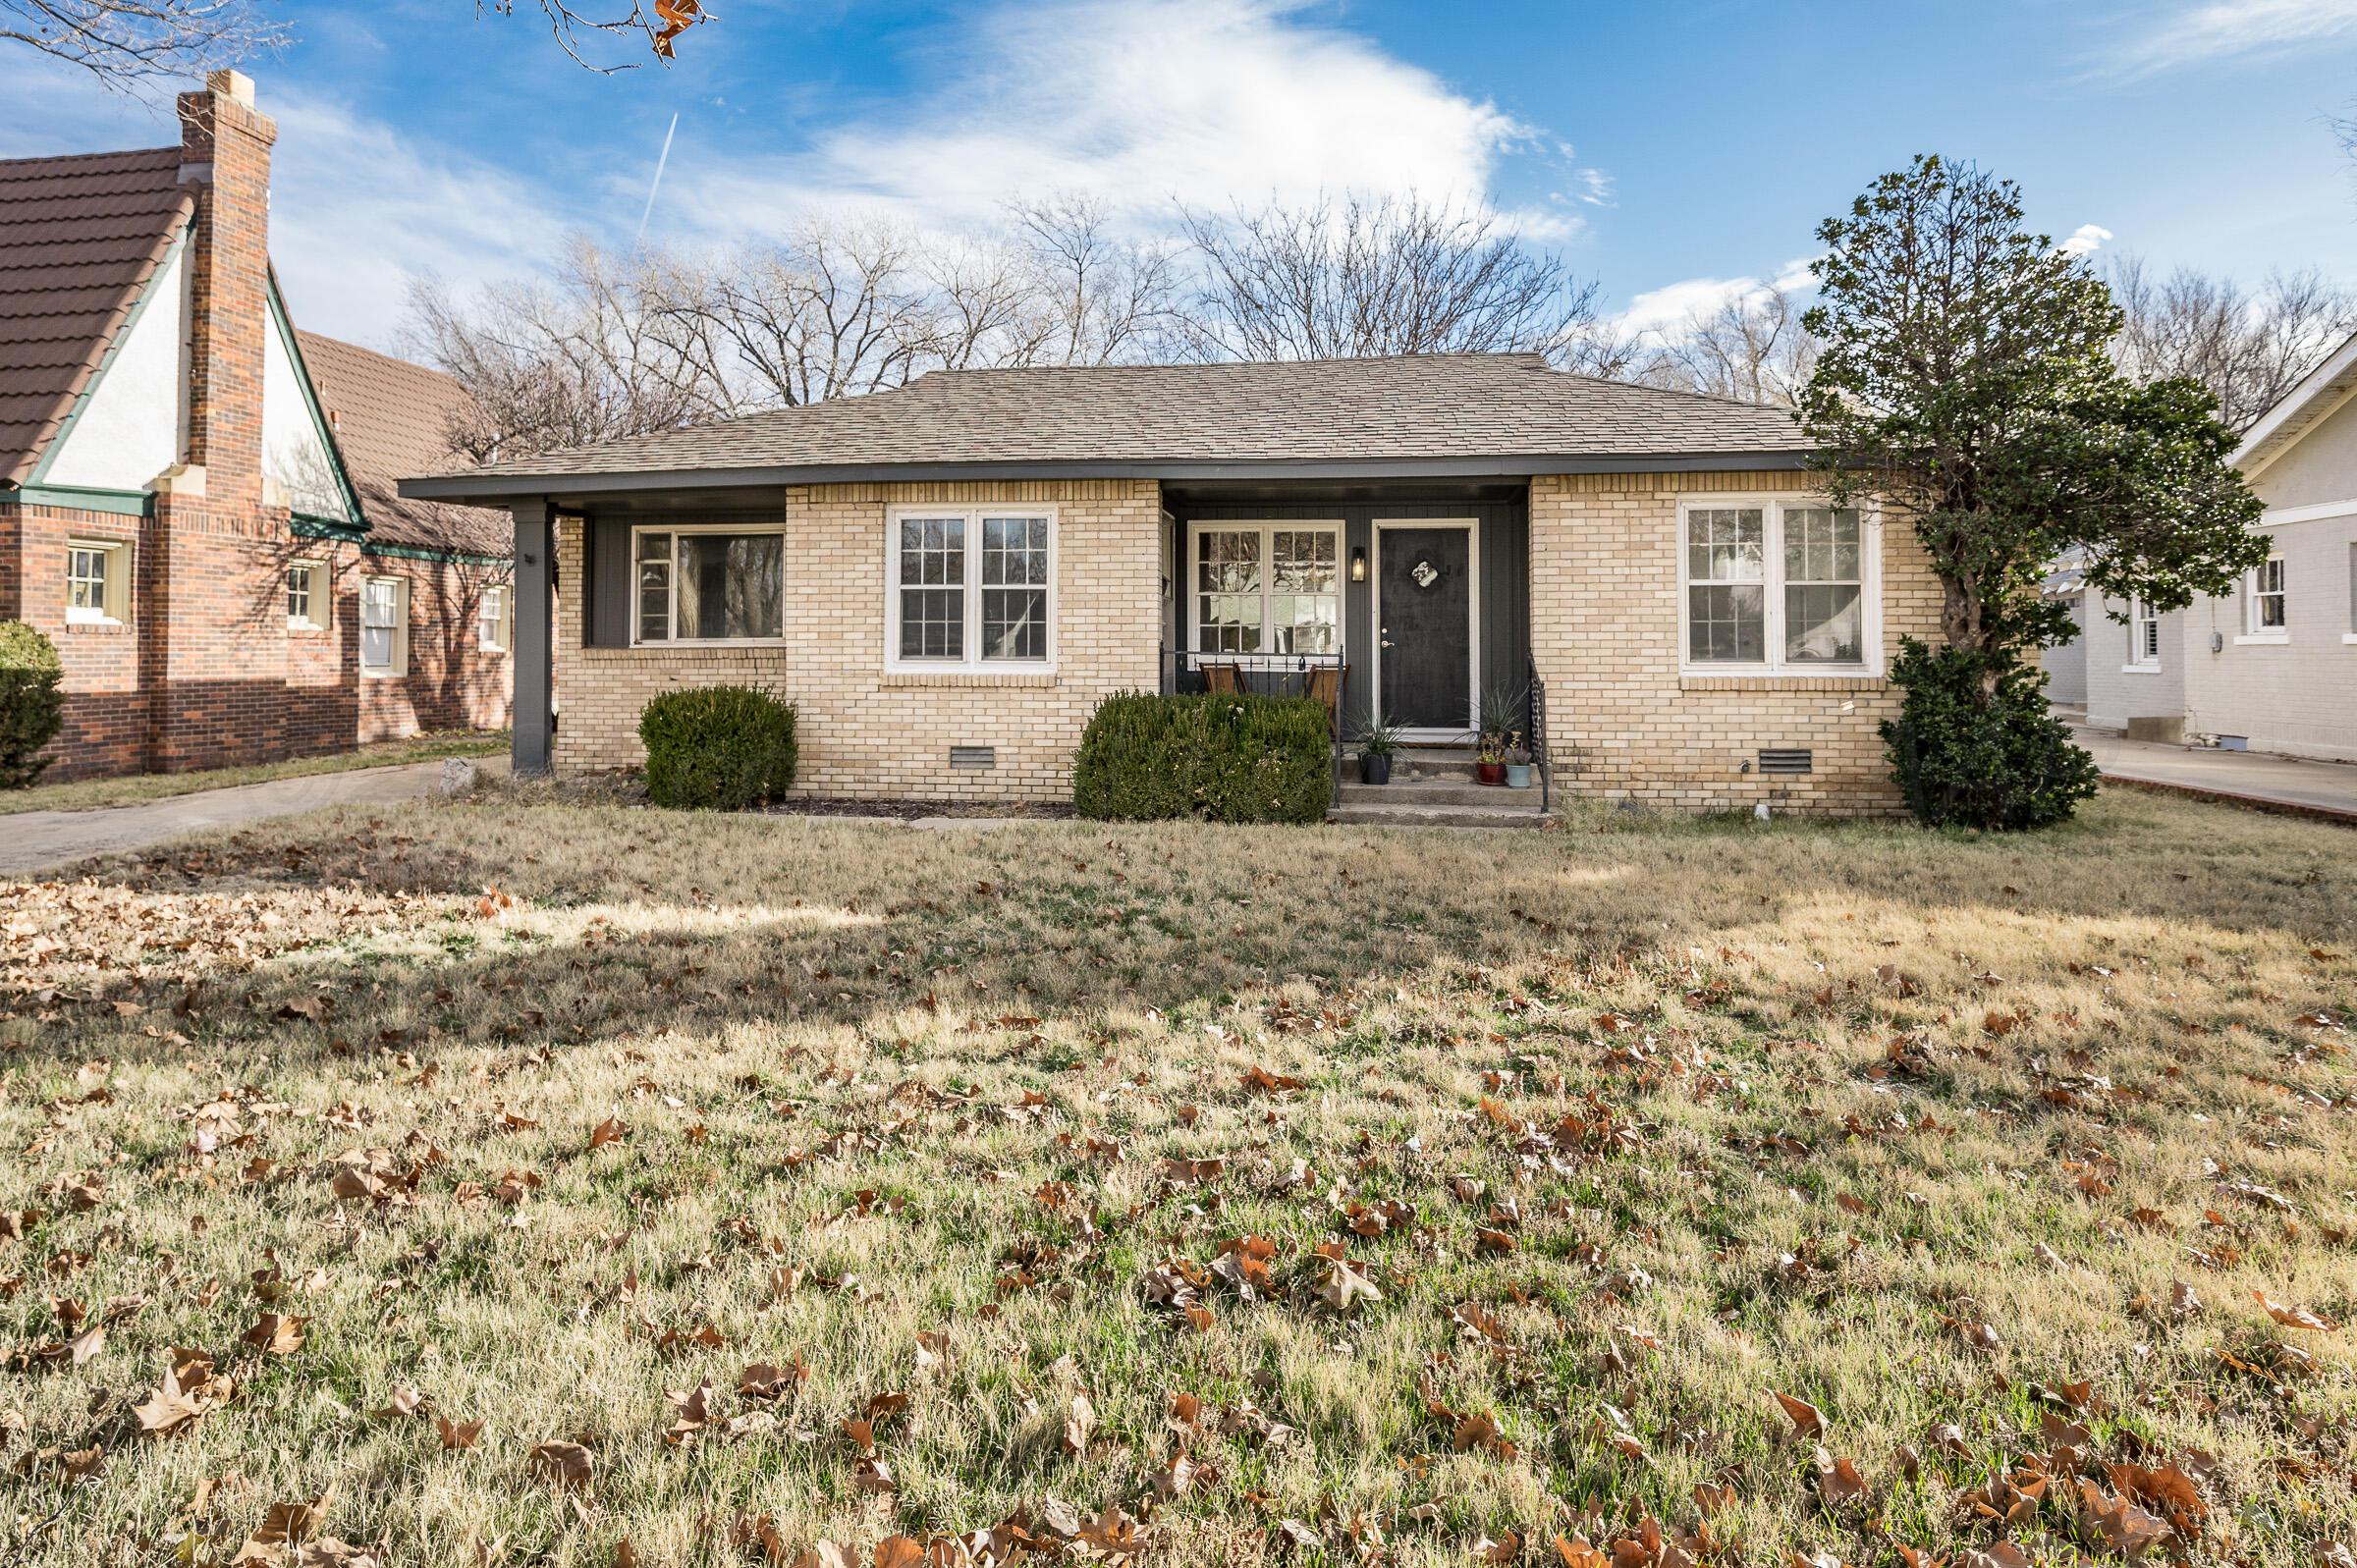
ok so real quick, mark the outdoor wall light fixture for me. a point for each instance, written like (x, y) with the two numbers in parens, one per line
(1359, 563)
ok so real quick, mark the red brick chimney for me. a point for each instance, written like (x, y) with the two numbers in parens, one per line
(225, 153)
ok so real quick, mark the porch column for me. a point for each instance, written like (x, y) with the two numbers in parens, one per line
(536, 574)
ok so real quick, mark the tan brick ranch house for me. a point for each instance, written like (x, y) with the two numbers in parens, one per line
(947, 577)
(197, 502)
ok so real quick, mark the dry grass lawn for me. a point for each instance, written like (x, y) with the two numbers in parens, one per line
(740, 1189)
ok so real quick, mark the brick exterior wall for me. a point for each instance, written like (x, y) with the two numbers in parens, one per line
(203, 670)
(1623, 724)
(868, 732)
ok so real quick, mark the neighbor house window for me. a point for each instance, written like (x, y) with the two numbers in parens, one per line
(1778, 585)
(970, 589)
(384, 626)
(1267, 588)
(710, 583)
(2144, 635)
(97, 581)
(491, 619)
(2263, 602)
(306, 596)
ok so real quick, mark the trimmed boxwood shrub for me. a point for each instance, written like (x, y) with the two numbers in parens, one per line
(721, 748)
(1219, 757)
(32, 708)
(2009, 765)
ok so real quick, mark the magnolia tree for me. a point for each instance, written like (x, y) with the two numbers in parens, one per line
(1965, 380)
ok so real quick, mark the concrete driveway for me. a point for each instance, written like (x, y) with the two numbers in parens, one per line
(2250, 778)
(38, 841)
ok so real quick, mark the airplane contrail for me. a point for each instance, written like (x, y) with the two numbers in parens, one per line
(657, 183)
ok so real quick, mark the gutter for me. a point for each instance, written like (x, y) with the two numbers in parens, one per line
(492, 488)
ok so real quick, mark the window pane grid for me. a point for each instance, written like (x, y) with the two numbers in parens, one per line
(85, 580)
(1763, 576)
(2266, 598)
(1268, 589)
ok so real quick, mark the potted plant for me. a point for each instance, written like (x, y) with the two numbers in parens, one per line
(1499, 729)
(1517, 762)
(1489, 760)
(1377, 742)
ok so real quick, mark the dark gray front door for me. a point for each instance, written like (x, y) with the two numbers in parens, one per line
(1424, 599)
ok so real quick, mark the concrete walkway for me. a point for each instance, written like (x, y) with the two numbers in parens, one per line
(37, 841)
(2247, 777)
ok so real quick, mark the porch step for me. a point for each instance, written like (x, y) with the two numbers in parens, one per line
(1410, 763)
(1354, 814)
(1448, 792)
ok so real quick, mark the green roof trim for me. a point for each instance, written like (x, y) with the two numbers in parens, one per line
(359, 517)
(116, 503)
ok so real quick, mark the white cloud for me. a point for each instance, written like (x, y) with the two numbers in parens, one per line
(2222, 28)
(1668, 314)
(345, 246)
(1144, 102)
(2086, 239)
(355, 205)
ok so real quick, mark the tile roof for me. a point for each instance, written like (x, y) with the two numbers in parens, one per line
(80, 237)
(389, 417)
(1429, 408)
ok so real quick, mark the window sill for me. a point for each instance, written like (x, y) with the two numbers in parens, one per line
(2263, 639)
(2139, 670)
(1706, 679)
(304, 628)
(384, 675)
(902, 679)
(2348, 639)
(95, 627)
(703, 645)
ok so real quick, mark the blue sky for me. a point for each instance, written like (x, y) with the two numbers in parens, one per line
(1671, 150)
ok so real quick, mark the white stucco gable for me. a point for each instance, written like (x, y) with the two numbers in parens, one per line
(300, 468)
(133, 423)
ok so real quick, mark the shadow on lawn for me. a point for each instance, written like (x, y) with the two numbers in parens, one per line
(674, 921)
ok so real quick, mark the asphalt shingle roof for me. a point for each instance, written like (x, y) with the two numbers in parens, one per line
(80, 237)
(390, 418)
(1436, 407)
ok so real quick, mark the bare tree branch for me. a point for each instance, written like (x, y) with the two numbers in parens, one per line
(2248, 349)
(658, 23)
(126, 44)
(1753, 347)
(1376, 276)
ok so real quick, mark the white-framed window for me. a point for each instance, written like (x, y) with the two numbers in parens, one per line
(708, 583)
(97, 581)
(1778, 585)
(2144, 636)
(491, 612)
(2265, 613)
(306, 596)
(384, 626)
(970, 589)
(1265, 589)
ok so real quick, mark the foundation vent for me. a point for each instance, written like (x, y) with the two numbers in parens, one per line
(1787, 762)
(976, 757)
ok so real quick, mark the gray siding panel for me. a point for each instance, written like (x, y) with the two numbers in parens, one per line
(607, 593)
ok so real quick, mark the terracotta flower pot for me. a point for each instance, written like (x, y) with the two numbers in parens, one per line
(1488, 773)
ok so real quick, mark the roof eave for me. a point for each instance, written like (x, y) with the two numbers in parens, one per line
(493, 489)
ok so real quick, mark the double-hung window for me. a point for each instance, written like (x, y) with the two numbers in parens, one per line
(491, 619)
(384, 626)
(1774, 586)
(2265, 616)
(708, 583)
(2144, 636)
(97, 581)
(1267, 588)
(970, 589)
(306, 596)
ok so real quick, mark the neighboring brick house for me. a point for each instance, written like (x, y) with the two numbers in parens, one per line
(197, 502)
(950, 576)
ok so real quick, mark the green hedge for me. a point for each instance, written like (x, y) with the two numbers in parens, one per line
(32, 710)
(1222, 758)
(723, 747)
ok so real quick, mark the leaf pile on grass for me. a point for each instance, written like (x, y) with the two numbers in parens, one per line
(496, 1186)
